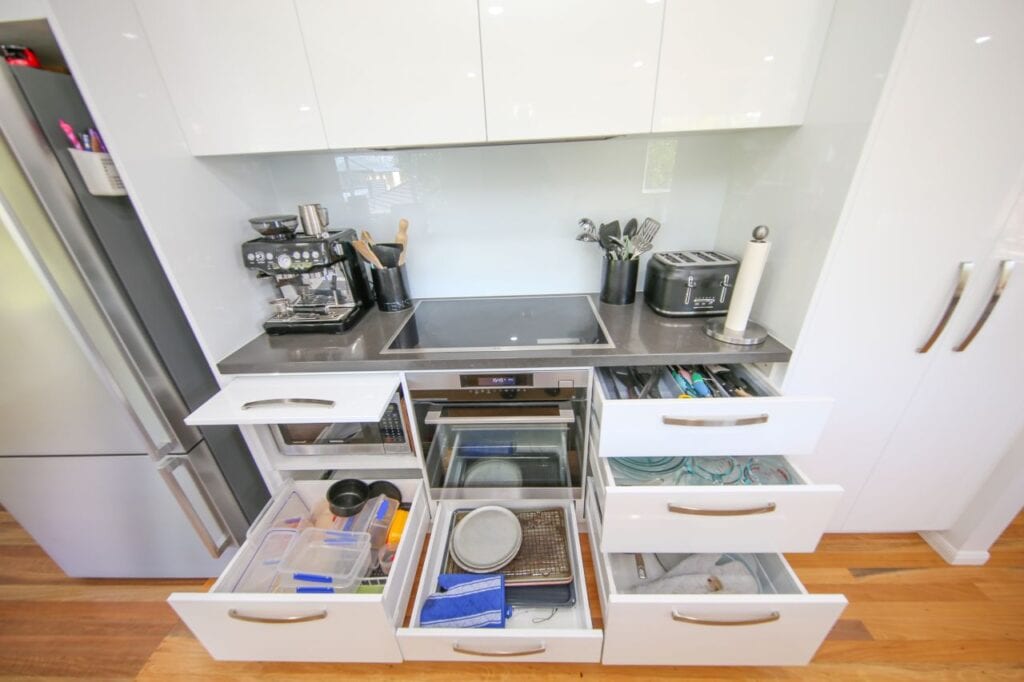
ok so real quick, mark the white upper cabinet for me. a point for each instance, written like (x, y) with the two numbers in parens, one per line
(237, 74)
(395, 72)
(569, 68)
(738, 63)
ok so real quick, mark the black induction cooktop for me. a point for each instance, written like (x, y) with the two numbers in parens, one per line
(497, 324)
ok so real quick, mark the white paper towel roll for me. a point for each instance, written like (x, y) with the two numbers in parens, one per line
(747, 280)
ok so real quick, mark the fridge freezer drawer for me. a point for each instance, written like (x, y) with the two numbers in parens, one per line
(239, 626)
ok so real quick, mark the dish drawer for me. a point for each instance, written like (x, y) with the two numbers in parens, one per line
(784, 627)
(762, 424)
(713, 518)
(237, 626)
(530, 635)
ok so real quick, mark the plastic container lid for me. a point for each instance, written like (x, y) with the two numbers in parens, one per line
(261, 572)
(294, 514)
(328, 559)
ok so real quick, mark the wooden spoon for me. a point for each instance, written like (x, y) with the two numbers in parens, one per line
(367, 253)
(402, 238)
(367, 238)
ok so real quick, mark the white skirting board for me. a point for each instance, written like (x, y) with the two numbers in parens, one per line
(938, 541)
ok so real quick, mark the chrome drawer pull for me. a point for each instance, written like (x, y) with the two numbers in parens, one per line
(697, 511)
(966, 267)
(459, 649)
(283, 620)
(1005, 270)
(313, 402)
(706, 421)
(770, 618)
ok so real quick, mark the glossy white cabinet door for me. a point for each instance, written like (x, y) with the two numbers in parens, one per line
(933, 189)
(569, 68)
(738, 63)
(237, 74)
(395, 72)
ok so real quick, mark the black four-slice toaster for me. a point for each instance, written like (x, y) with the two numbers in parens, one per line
(683, 283)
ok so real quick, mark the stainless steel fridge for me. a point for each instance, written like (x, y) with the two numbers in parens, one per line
(99, 367)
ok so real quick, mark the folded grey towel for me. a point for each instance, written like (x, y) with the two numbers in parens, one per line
(701, 574)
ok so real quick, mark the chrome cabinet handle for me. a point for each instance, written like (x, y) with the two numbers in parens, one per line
(963, 274)
(279, 620)
(770, 618)
(706, 421)
(697, 511)
(1005, 270)
(313, 402)
(459, 649)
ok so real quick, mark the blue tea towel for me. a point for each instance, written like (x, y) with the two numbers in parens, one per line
(466, 601)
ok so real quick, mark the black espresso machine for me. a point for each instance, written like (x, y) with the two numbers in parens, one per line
(316, 274)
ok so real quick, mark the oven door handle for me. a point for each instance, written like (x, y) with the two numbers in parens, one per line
(565, 416)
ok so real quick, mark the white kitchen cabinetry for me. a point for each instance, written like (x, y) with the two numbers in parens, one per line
(569, 68)
(915, 433)
(738, 64)
(784, 625)
(237, 74)
(266, 626)
(395, 73)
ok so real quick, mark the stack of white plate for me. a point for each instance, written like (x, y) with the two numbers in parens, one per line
(486, 539)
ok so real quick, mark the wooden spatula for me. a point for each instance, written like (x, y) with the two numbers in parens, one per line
(402, 238)
(367, 253)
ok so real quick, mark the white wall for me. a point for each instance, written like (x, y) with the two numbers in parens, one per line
(795, 180)
(502, 219)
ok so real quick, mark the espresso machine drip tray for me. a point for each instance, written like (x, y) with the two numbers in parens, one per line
(327, 320)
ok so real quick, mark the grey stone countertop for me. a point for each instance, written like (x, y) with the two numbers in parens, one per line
(641, 337)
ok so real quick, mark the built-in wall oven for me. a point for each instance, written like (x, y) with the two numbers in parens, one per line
(504, 435)
(390, 436)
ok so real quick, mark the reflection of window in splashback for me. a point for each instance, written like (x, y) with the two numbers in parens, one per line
(375, 179)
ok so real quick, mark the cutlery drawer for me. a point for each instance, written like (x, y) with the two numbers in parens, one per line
(784, 626)
(763, 424)
(530, 635)
(713, 518)
(242, 626)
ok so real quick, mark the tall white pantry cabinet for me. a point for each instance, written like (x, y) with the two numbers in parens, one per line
(918, 319)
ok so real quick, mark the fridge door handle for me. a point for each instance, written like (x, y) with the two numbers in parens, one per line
(214, 546)
(1005, 270)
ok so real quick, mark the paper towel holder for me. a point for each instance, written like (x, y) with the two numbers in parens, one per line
(752, 334)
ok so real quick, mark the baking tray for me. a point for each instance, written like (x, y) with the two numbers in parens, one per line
(544, 557)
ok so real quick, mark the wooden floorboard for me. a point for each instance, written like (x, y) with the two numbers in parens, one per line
(911, 617)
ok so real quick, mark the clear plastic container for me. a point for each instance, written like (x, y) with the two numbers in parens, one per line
(330, 560)
(262, 571)
(374, 518)
(294, 514)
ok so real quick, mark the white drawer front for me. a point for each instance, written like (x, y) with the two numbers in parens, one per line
(307, 627)
(644, 631)
(299, 399)
(741, 518)
(570, 636)
(763, 629)
(711, 426)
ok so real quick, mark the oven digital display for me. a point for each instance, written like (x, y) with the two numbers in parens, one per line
(496, 380)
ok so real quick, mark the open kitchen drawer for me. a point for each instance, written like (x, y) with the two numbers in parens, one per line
(665, 517)
(782, 625)
(254, 626)
(299, 399)
(530, 635)
(765, 423)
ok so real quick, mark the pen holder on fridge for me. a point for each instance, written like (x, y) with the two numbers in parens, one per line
(618, 280)
(99, 173)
